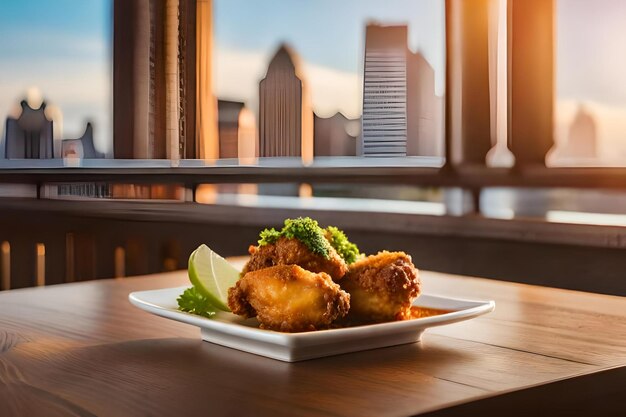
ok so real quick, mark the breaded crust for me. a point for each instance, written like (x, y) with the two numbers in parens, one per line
(288, 298)
(382, 287)
(293, 252)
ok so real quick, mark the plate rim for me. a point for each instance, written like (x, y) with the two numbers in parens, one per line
(292, 340)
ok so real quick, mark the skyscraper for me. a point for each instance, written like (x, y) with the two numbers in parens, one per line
(385, 91)
(228, 127)
(285, 114)
(237, 130)
(400, 109)
(424, 109)
(582, 138)
(333, 136)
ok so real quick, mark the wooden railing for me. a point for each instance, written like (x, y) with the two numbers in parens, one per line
(417, 171)
(55, 241)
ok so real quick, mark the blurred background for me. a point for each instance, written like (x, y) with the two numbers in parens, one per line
(486, 137)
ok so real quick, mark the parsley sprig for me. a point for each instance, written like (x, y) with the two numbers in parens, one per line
(193, 302)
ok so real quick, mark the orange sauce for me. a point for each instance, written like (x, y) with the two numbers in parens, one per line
(416, 313)
(421, 312)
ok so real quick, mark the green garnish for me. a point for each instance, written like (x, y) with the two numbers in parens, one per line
(338, 240)
(192, 301)
(269, 236)
(305, 229)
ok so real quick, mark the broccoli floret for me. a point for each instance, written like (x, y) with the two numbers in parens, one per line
(305, 229)
(338, 240)
(318, 240)
(268, 236)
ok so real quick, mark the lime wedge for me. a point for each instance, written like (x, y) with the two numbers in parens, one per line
(212, 275)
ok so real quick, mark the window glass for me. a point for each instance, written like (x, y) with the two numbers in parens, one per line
(55, 72)
(590, 112)
(333, 78)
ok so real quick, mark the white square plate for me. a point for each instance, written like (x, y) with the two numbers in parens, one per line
(229, 330)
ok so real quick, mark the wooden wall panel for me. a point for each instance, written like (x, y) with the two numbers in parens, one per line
(149, 240)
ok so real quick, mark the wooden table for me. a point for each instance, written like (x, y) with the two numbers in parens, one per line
(82, 349)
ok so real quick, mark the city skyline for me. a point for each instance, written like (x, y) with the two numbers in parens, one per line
(64, 49)
(331, 58)
(42, 37)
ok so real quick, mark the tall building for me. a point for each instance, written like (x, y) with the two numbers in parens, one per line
(30, 135)
(333, 136)
(385, 91)
(81, 147)
(285, 114)
(400, 109)
(582, 136)
(228, 127)
(237, 132)
(424, 109)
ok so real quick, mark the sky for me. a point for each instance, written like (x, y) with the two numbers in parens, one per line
(64, 48)
(328, 36)
(591, 69)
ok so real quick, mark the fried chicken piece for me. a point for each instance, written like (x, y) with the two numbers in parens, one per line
(293, 252)
(288, 298)
(382, 287)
